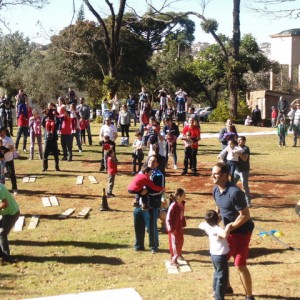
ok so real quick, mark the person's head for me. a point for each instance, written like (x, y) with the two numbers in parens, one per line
(256, 106)
(3, 132)
(81, 100)
(147, 171)
(152, 162)
(273, 107)
(219, 174)
(179, 195)
(107, 121)
(138, 135)
(211, 217)
(110, 153)
(124, 107)
(231, 143)
(130, 96)
(191, 109)
(241, 140)
(35, 113)
(168, 121)
(191, 121)
(229, 122)
(297, 105)
(73, 106)
(106, 138)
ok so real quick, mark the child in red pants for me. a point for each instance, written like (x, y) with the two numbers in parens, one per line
(175, 221)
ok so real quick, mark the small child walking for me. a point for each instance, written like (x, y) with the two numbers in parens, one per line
(83, 124)
(218, 251)
(175, 222)
(231, 153)
(112, 170)
(282, 130)
(138, 154)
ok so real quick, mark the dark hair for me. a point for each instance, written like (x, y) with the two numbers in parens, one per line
(178, 192)
(138, 133)
(109, 152)
(211, 217)
(242, 137)
(223, 166)
(146, 170)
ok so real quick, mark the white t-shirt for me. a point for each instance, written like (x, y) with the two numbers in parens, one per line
(109, 130)
(217, 244)
(7, 141)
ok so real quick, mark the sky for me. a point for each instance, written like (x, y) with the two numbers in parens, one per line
(39, 25)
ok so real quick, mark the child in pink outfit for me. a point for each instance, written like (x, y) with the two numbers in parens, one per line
(35, 126)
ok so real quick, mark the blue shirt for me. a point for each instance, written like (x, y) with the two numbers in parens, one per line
(230, 202)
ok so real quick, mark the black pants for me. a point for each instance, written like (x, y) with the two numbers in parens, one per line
(10, 167)
(50, 148)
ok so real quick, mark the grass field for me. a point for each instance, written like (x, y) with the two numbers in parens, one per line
(78, 255)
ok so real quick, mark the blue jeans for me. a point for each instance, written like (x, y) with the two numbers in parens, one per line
(221, 275)
(141, 220)
(244, 176)
(153, 230)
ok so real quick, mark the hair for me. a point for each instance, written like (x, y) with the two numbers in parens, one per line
(138, 133)
(146, 170)
(223, 166)
(178, 192)
(211, 217)
(242, 137)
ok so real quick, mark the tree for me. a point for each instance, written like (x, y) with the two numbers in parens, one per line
(275, 8)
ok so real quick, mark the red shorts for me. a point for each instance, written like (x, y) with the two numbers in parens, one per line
(239, 248)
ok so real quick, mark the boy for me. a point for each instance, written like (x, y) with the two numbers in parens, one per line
(282, 130)
(218, 251)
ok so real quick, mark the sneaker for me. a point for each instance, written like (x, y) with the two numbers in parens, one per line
(15, 192)
(184, 173)
(44, 170)
(24, 150)
(175, 167)
(229, 290)
(109, 195)
(80, 151)
(64, 158)
(133, 173)
(154, 251)
(57, 169)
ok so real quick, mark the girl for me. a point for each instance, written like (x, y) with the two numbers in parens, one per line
(112, 170)
(75, 126)
(35, 127)
(138, 154)
(175, 221)
(83, 124)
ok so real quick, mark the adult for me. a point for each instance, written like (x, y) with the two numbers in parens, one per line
(155, 203)
(296, 124)
(66, 135)
(124, 121)
(171, 130)
(194, 132)
(232, 207)
(108, 129)
(282, 107)
(162, 102)
(256, 116)
(22, 119)
(243, 168)
(9, 158)
(115, 107)
(85, 113)
(143, 99)
(9, 210)
(181, 100)
(71, 96)
(131, 104)
(227, 133)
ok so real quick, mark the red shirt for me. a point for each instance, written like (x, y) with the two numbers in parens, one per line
(195, 134)
(141, 180)
(66, 126)
(112, 168)
(274, 114)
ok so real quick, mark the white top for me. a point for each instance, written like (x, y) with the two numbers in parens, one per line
(7, 141)
(217, 244)
(109, 130)
(232, 154)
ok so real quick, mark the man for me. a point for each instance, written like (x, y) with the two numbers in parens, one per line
(232, 207)
(131, 104)
(296, 124)
(155, 203)
(194, 132)
(85, 113)
(9, 210)
(108, 129)
(9, 158)
(181, 100)
(282, 107)
(256, 116)
(171, 130)
(243, 168)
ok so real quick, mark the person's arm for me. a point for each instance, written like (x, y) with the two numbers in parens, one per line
(3, 204)
(225, 232)
(115, 134)
(244, 216)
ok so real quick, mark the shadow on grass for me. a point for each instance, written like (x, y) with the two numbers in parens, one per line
(77, 259)
(276, 297)
(268, 180)
(194, 232)
(258, 252)
(88, 245)
(43, 193)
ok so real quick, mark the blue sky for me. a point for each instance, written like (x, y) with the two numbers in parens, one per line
(58, 14)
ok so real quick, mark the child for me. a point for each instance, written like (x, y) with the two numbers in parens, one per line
(248, 121)
(107, 144)
(232, 153)
(188, 142)
(138, 154)
(35, 126)
(111, 171)
(175, 221)
(282, 130)
(3, 150)
(140, 185)
(83, 123)
(274, 115)
(218, 251)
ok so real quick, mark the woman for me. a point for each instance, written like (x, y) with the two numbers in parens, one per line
(124, 121)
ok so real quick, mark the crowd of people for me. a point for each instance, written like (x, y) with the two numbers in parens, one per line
(159, 133)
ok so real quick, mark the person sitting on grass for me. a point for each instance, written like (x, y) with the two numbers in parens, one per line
(218, 251)
(142, 185)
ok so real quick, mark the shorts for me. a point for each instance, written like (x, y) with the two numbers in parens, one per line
(239, 248)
